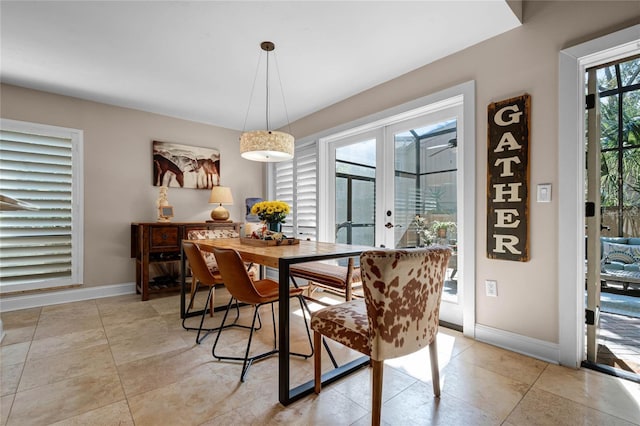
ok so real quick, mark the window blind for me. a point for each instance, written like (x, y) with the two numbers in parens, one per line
(36, 245)
(296, 183)
(306, 193)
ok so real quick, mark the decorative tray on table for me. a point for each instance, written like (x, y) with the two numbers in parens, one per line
(266, 243)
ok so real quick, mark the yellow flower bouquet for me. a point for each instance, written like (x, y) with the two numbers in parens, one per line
(271, 211)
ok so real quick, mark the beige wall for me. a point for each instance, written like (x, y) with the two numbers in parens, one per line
(118, 174)
(522, 60)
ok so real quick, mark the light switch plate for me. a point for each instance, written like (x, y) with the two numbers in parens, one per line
(491, 288)
(544, 193)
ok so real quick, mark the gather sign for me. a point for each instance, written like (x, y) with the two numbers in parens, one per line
(508, 179)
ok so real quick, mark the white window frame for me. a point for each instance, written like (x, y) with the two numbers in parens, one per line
(77, 222)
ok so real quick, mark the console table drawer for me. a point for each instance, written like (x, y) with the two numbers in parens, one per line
(164, 237)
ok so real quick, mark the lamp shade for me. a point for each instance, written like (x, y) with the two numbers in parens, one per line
(266, 146)
(221, 195)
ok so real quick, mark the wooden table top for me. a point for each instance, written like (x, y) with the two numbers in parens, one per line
(271, 255)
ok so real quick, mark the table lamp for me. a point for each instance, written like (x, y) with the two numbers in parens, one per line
(220, 195)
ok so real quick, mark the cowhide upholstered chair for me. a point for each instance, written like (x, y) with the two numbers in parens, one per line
(211, 234)
(398, 316)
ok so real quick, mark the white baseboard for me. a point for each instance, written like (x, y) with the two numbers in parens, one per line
(13, 303)
(540, 349)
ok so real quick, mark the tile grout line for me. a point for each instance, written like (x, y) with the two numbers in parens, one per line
(525, 394)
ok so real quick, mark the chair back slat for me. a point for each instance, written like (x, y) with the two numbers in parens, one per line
(403, 289)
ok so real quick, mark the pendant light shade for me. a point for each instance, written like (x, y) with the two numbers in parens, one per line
(266, 145)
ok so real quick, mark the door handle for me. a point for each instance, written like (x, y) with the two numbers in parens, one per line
(388, 225)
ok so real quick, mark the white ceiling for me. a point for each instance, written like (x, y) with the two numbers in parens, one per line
(197, 60)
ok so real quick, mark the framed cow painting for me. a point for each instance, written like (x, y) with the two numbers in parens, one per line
(183, 166)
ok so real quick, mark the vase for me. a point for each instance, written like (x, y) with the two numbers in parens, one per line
(274, 226)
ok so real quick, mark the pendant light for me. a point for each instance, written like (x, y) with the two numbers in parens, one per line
(266, 145)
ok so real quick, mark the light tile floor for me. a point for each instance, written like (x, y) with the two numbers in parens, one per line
(122, 361)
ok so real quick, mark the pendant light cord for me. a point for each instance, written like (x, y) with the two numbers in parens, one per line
(267, 97)
(253, 88)
(284, 103)
(268, 92)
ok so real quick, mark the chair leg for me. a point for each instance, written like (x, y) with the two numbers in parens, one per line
(204, 313)
(273, 320)
(376, 394)
(331, 357)
(317, 362)
(194, 290)
(303, 305)
(211, 297)
(246, 360)
(190, 305)
(224, 318)
(207, 331)
(435, 371)
(324, 342)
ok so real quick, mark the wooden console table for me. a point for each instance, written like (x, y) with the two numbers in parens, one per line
(157, 243)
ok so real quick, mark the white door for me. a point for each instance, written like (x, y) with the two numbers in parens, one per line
(423, 194)
(381, 179)
(593, 219)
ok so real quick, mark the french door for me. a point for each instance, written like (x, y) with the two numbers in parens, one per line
(384, 178)
(593, 219)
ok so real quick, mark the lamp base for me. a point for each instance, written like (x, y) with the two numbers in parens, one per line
(220, 214)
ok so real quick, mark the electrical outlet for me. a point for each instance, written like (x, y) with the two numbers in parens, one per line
(491, 287)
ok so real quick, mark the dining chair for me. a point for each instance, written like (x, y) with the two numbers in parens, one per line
(334, 278)
(201, 275)
(398, 315)
(256, 293)
(210, 259)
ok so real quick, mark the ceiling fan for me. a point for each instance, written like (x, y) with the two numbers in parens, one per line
(453, 143)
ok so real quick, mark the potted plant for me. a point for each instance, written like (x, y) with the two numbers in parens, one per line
(272, 213)
(425, 234)
(442, 229)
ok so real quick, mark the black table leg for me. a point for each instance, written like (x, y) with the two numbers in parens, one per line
(286, 395)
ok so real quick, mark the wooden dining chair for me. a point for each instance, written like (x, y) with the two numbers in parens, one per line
(256, 293)
(335, 278)
(398, 315)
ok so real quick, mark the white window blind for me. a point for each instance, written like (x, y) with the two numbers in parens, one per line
(39, 248)
(296, 183)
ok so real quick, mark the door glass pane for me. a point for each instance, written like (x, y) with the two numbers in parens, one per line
(607, 78)
(609, 122)
(426, 187)
(629, 72)
(631, 192)
(341, 199)
(355, 193)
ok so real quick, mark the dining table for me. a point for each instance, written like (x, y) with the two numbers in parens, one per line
(282, 257)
